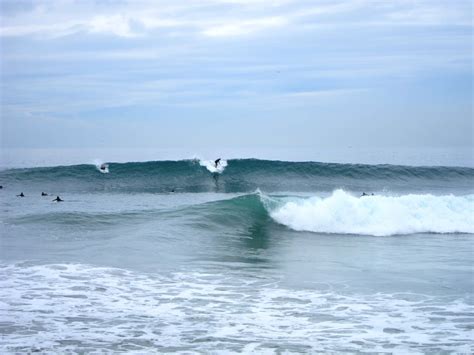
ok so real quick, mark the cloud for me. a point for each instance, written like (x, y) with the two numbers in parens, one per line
(231, 59)
(244, 27)
(217, 18)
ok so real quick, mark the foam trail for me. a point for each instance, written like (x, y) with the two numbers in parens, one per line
(378, 215)
(101, 166)
(210, 165)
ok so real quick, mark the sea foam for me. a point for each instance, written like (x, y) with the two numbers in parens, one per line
(77, 308)
(211, 166)
(101, 166)
(344, 213)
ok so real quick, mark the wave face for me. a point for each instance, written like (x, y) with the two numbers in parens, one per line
(343, 213)
(241, 175)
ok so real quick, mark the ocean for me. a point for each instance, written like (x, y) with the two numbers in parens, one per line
(254, 256)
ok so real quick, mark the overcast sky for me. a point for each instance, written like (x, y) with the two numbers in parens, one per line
(236, 73)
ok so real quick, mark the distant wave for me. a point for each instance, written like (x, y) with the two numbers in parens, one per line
(344, 213)
(239, 175)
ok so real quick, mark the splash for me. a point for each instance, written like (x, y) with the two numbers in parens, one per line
(101, 166)
(378, 215)
(212, 167)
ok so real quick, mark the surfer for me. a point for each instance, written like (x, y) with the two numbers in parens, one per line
(44, 194)
(20, 195)
(1, 187)
(216, 162)
(58, 199)
(364, 194)
(103, 167)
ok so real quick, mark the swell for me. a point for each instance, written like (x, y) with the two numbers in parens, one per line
(338, 213)
(240, 175)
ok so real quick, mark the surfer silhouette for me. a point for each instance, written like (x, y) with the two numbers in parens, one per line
(58, 199)
(21, 195)
(103, 167)
(216, 162)
(44, 194)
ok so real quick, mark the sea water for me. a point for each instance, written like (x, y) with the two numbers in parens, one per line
(254, 256)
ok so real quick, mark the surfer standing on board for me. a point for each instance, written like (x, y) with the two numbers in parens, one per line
(216, 162)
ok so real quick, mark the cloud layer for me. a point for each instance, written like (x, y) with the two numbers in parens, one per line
(310, 70)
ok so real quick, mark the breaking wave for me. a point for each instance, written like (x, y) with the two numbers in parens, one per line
(343, 213)
(213, 167)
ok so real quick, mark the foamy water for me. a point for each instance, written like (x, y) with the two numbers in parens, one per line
(66, 307)
(213, 167)
(379, 215)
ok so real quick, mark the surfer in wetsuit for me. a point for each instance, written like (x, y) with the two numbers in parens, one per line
(44, 194)
(103, 167)
(21, 195)
(216, 162)
(58, 199)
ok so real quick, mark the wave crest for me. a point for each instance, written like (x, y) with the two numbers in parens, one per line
(101, 166)
(343, 213)
(212, 167)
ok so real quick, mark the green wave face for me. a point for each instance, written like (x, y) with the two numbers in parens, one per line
(236, 176)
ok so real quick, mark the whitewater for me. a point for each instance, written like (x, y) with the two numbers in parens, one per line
(253, 256)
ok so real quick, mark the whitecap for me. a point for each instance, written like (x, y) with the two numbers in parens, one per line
(343, 213)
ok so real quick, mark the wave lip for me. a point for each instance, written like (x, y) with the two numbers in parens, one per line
(212, 167)
(101, 166)
(342, 213)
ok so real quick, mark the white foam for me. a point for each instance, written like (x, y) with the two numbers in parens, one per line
(211, 166)
(378, 215)
(101, 166)
(80, 308)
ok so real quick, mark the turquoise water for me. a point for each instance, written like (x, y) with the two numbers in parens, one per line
(255, 256)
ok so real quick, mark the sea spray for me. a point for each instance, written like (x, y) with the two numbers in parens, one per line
(101, 166)
(378, 215)
(214, 167)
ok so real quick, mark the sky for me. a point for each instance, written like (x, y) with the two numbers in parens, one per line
(236, 74)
